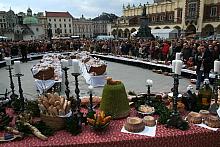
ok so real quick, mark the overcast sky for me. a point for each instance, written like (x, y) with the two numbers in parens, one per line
(89, 8)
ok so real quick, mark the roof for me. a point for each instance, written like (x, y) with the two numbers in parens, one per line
(58, 14)
(30, 20)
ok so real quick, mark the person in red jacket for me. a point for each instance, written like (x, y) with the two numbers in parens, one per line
(165, 50)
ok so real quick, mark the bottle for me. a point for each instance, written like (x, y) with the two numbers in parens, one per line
(205, 95)
(189, 99)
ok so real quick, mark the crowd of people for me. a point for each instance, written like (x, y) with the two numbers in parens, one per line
(195, 53)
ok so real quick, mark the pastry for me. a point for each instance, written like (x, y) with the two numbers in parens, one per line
(212, 121)
(146, 109)
(204, 113)
(134, 124)
(194, 117)
(149, 121)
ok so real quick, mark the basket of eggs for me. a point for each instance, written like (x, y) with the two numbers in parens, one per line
(99, 121)
(54, 110)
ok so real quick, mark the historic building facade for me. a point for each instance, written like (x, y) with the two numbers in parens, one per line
(61, 23)
(188, 16)
(83, 27)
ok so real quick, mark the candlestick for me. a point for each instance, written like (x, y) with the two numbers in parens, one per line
(8, 61)
(78, 102)
(76, 68)
(214, 107)
(20, 90)
(217, 66)
(90, 99)
(13, 95)
(175, 119)
(17, 67)
(178, 56)
(67, 91)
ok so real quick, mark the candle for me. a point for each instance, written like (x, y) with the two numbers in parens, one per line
(17, 67)
(64, 63)
(70, 63)
(178, 56)
(75, 63)
(178, 67)
(90, 89)
(149, 82)
(217, 66)
(8, 61)
(173, 65)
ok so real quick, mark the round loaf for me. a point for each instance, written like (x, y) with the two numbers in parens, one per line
(194, 117)
(149, 121)
(134, 124)
(204, 113)
(212, 121)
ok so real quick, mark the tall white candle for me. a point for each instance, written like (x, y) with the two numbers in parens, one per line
(90, 89)
(64, 63)
(17, 67)
(217, 66)
(8, 60)
(70, 63)
(178, 56)
(75, 66)
(178, 67)
(173, 65)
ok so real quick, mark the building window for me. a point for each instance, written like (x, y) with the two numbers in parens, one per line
(49, 19)
(64, 19)
(37, 29)
(70, 31)
(153, 18)
(170, 17)
(213, 11)
(70, 25)
(55, 25)
(54, 19)
(60, 20)
(192, 9)
(64, 25)
(161, 18)
(0, 20)
(69, 20)
(60, 25)
(65, 31)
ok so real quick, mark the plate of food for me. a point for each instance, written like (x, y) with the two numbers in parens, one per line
(145, 110)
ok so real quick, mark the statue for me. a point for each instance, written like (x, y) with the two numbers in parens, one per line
(144, 11)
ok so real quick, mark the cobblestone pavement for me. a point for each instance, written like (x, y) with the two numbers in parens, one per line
(134, 78)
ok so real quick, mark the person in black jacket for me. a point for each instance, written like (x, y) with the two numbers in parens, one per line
(203, 61)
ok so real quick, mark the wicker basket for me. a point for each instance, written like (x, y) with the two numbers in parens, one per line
(99, 70)
(45, 74)
(56, 123)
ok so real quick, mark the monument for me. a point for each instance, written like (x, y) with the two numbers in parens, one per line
(144, 31)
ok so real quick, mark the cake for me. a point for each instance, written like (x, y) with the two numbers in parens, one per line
(149, 121)
(204, 113)
(212, 121)
(114, 100)
(134, 124)
(194, 117)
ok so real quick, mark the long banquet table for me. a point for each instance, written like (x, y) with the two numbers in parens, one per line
(112, 137)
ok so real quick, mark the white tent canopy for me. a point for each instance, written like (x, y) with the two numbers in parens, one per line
(165, 33)
(162, 33)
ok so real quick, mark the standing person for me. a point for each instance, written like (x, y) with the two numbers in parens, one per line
(24, 51)
(204, 64)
